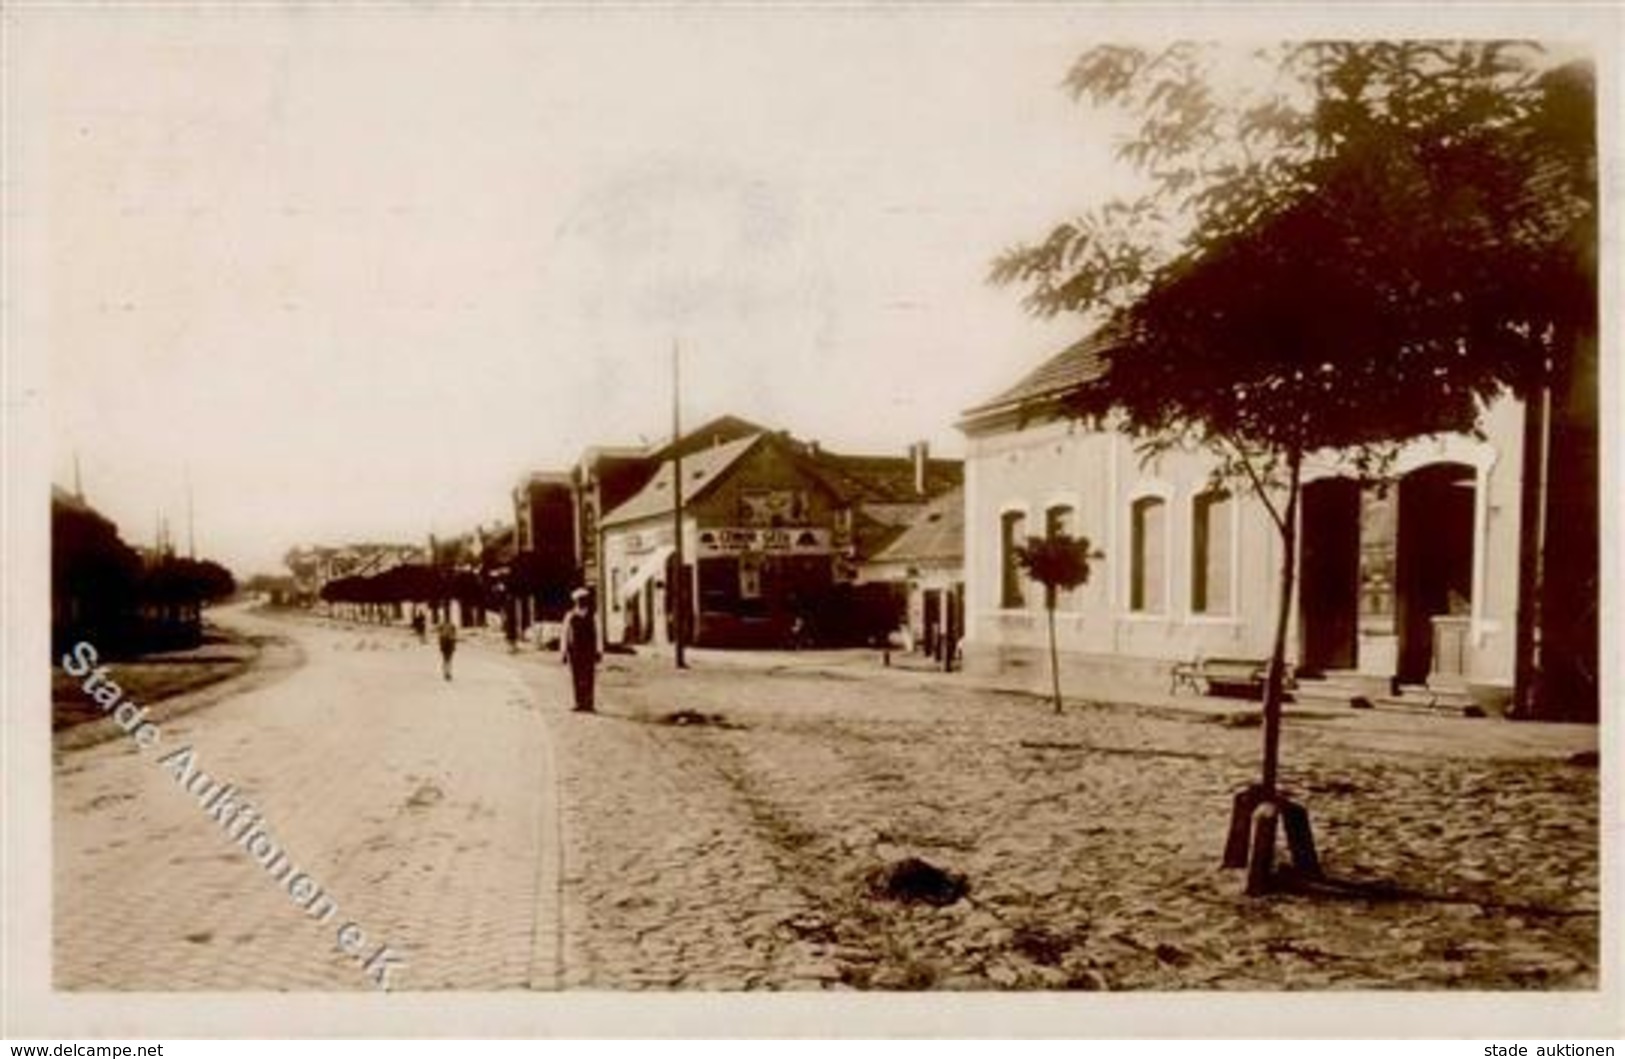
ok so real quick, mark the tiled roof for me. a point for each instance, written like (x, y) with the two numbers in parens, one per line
(885, 479)
(1083, 361)
(893, 514)
(722, 429)
(700, 471)
(938, 533)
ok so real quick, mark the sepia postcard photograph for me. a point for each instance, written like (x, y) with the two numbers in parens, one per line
(1088, 520)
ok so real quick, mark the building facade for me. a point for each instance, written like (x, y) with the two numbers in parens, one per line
(603, 479)
(545, 564)
(926, 565)
(776, 531)
(1406, 586)
(758, 548)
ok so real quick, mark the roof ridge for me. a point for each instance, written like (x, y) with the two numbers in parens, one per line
(657, 492)
(1080, 362)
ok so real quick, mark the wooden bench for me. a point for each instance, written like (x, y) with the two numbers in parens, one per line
(1244, 677)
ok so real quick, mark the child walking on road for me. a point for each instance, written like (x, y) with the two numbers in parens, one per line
(448, 645)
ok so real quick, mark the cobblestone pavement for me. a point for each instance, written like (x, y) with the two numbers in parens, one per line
(423, 808)
(496, 840)
(670, 881)
(736, 850)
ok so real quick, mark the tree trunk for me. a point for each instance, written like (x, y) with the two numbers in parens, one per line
(1531, 550)
(1275, 683)
(1568, 631)
(1054, 657)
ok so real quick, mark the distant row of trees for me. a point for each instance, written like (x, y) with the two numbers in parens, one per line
(385, 594)
(105, 591)
(539, 576)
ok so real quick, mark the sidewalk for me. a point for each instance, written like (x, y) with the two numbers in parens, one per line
(1484, 738)
(1445, 734)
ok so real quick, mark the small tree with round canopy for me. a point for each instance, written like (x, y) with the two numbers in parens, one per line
(1061, 564)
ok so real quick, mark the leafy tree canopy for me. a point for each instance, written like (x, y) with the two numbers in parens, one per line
(1058, 562)
(1357, 243)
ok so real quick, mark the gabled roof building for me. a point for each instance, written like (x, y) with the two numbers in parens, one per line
(774, 532)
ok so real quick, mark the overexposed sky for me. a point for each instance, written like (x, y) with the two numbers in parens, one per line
(354, 272)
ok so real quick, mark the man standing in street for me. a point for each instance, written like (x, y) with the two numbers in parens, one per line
(581, 648)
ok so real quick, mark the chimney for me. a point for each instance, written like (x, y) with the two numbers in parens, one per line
(921, 453)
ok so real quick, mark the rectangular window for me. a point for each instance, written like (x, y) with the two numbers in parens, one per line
(1012, 529)
(1147, 588)
(1210, 553)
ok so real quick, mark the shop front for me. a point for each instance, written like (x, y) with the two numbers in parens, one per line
(759, 587)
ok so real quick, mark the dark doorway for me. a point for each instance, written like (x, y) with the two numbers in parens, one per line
(931, 616)
(1434, 566)
(1328, 600)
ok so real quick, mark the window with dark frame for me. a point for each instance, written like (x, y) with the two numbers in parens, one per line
(1210, 552)
(1148, 554)
(1012, 594)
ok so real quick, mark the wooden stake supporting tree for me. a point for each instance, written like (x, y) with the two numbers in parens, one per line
(1361, 245)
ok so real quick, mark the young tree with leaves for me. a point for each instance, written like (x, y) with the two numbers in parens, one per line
(1357, 244)
(1060, 564)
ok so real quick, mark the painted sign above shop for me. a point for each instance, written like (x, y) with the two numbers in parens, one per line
(740, 540)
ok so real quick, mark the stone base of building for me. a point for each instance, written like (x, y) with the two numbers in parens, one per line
(1493, 699)
(1107, 677)
(1083, 675)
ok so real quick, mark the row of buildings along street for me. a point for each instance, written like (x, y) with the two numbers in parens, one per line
(785, 543)
(1431, 587)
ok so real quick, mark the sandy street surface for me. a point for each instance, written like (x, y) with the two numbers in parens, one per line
(738, 853)
(497, 841)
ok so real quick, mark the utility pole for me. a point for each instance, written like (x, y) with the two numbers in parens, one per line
(191, 535)
(676, 589)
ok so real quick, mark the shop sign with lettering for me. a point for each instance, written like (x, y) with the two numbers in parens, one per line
(739, 540)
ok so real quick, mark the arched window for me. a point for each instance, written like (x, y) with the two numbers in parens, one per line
(1012, 535)
(1148, 589)
(1061, 520)
(1058, 520)
(1211, 517)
